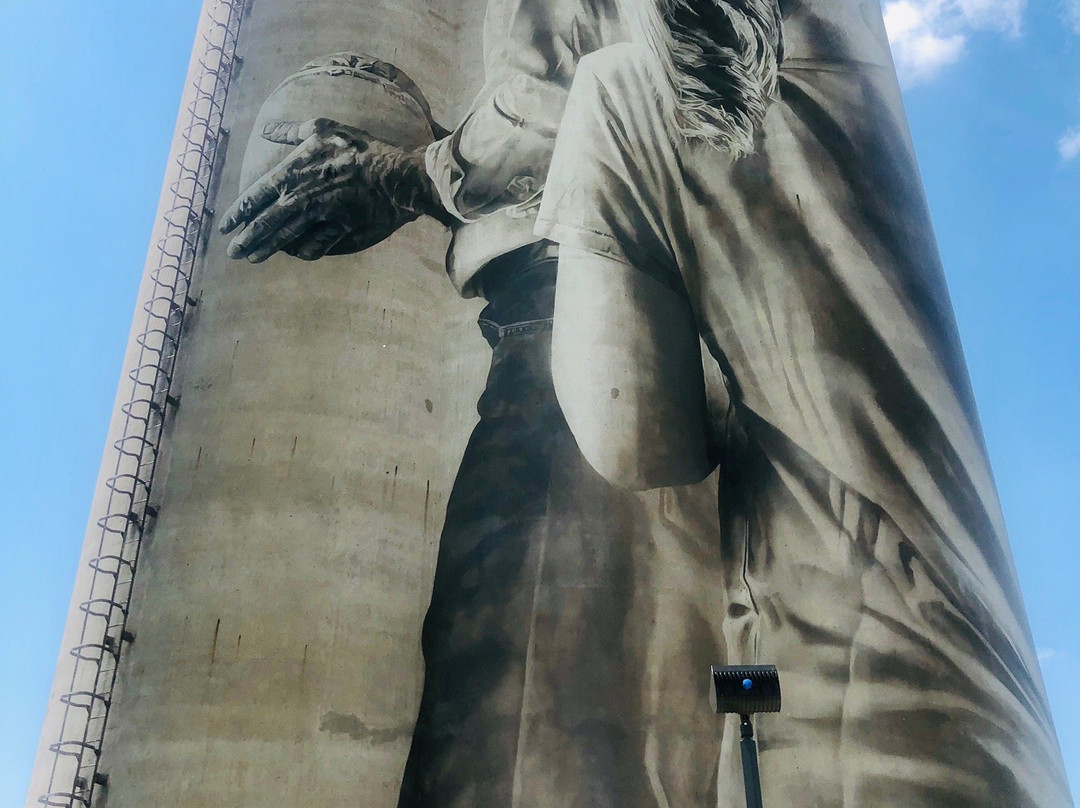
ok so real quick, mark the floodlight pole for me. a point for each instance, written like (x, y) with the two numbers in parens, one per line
(751, 776)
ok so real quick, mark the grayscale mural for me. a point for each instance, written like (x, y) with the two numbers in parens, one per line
(724, 175)
(726, 420)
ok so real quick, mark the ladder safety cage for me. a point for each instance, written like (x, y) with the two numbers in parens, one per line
(74, 774)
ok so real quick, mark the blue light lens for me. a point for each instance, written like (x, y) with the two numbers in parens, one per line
(747, 684)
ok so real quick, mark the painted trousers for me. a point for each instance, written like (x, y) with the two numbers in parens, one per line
(571, 627)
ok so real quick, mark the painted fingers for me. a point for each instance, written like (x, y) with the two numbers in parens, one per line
(303, 204)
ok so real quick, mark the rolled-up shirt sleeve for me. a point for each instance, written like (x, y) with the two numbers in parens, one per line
(497, 158)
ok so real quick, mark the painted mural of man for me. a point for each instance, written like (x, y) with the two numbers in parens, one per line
(572, 623)
(699, 187)
(872, 564)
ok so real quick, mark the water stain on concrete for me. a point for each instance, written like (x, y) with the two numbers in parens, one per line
(357, 730)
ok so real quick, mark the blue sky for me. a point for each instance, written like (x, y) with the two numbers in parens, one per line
(88, 98)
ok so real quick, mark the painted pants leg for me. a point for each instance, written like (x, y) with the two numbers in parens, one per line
(571, 624)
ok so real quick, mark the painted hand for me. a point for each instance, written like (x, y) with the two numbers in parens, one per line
(339, 191)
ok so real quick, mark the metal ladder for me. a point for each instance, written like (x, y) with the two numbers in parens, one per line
(75, 774)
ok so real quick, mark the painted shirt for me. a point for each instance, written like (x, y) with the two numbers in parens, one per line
(491, 169)
(815, 281)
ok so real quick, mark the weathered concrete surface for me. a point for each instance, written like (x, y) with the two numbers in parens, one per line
(324, 407)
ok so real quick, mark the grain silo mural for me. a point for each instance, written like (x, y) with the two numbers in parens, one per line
(510, 364)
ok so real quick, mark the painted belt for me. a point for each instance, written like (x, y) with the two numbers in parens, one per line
(494, 332)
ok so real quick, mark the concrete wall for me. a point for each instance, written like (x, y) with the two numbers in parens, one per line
(304, 480)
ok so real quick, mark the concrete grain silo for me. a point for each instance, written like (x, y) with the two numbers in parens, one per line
(350, 548)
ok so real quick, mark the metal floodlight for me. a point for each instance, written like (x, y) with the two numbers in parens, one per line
(745, 690)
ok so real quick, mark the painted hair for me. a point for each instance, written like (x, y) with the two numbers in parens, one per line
(716, 62)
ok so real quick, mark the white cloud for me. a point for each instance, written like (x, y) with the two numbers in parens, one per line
(1068, 145)
(928, 35)
(993, 15)
(1046, 654)
(1072, 14)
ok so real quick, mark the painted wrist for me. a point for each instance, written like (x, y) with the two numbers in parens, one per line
(408, 186)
